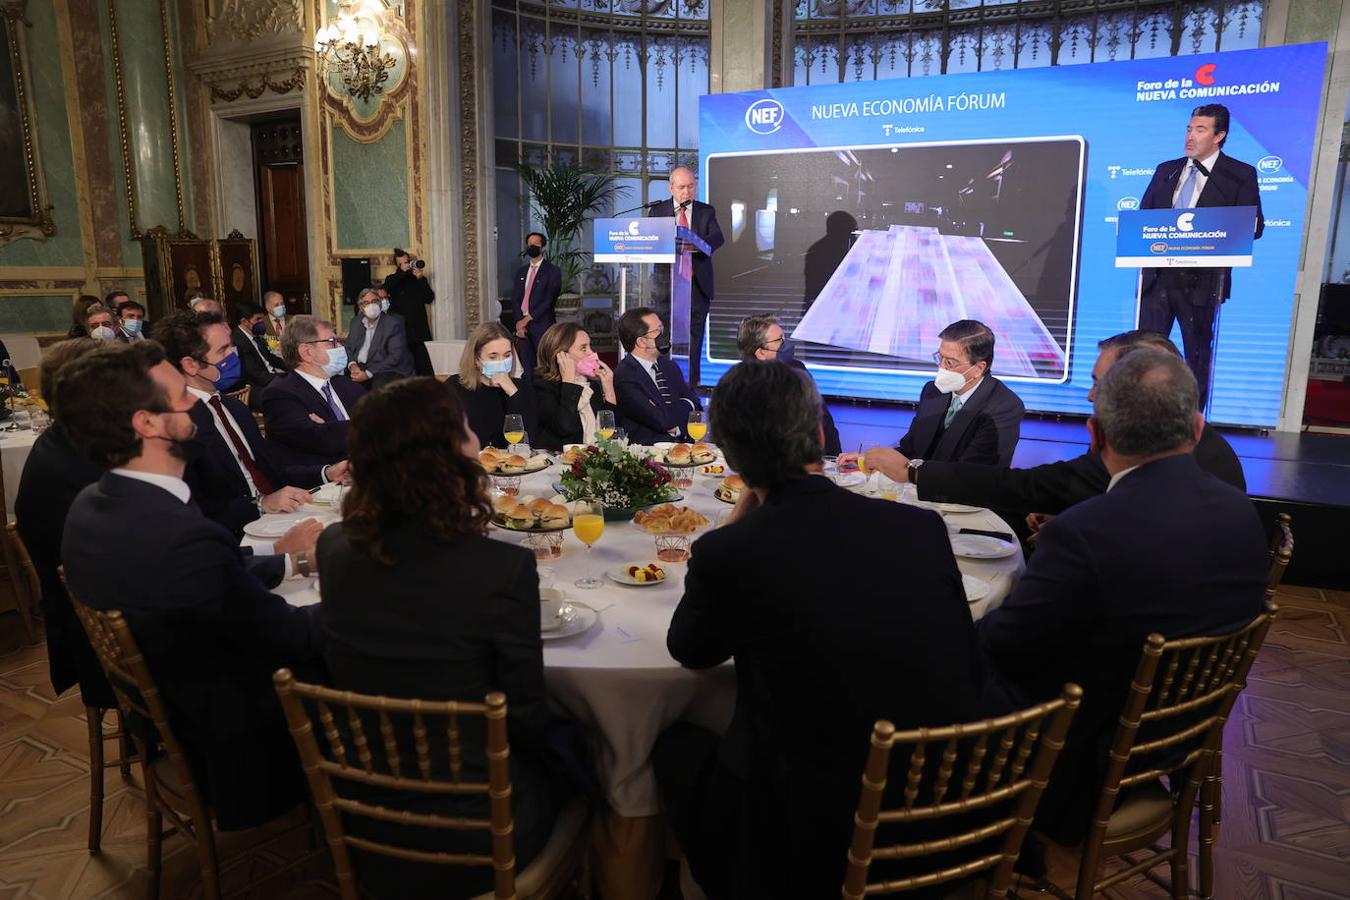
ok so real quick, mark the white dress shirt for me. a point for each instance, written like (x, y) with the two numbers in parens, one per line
(233, 426)
(364, 353)
(176, 486)
(252, 341)
(317, 384)
(1119, 475)
(1201, 179)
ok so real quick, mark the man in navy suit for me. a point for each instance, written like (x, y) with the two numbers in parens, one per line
(377, 343)
(965, 414)
(259, 363)
(654, 399)
(701, 219)
(212, 634)
(1204, 177)
(307, 413)
(236, 476)
(1168, 548)
(535, 293)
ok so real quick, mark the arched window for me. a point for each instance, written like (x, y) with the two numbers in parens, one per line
(610, 84)
(861, 40)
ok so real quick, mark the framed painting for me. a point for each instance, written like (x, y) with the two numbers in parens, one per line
(238, 272)
(24, 211)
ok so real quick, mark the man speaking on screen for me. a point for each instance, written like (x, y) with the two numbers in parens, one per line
(1205, 176)
(701, 219)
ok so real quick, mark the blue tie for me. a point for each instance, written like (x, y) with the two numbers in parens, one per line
(332, 403)
(1183, 200)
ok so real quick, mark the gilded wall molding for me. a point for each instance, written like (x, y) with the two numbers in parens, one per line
(35, 220)
(246, 86)
(165, 30)
(248, 20)
(468, 172)
(388, 105)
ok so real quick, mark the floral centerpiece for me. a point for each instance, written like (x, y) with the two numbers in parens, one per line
(620, 480)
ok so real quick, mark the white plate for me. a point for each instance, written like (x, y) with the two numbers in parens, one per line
(956, 508)
(976, 590)
(273, 527)
(977, 546)
(582, 619)
(620, 574)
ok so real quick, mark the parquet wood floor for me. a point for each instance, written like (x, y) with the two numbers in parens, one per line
(1286, 831)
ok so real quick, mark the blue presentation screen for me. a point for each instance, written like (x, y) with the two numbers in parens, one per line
(868, 216)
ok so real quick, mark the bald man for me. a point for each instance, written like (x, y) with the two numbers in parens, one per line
(701, 219)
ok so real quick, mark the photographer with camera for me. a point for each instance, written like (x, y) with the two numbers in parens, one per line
(409, 295)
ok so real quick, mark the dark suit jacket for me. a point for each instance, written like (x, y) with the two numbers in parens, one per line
(556, 406)
(287, 404)
(211, 633)
(1169, 549)
(409, 297)
(424, 640)
(53, 475)
(543, 296)
(984, 431)
(642, 412)
(1230, 183)
(1054, 487)
(218, 485)
(825, 644)
(832, 447)
(702, 222)
(389, 354)
(488, 407)
(254, 358)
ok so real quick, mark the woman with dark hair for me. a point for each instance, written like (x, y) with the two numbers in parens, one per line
(419, 603)
(571, 385)
(79, 311)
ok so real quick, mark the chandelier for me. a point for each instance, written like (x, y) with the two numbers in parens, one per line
(350, 47)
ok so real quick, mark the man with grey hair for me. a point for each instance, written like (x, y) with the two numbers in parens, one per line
(701, 219)
(377, 343)
(761, 337)
(900, 648)
(205, 305)
(307, 412)
(1168, 548)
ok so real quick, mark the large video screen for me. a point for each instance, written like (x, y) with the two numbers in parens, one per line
(868, 216)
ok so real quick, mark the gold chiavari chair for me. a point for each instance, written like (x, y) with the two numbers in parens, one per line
(24, 592)
(242, 394)
(990, 774)
(171, 791)
(387, 761)
(1171, 726)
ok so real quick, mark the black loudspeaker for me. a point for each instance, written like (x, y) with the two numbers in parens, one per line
(355, 278)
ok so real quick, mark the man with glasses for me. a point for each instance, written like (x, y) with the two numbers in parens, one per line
(654, 399)
(965, 414)
(307, 413)
(762, 338)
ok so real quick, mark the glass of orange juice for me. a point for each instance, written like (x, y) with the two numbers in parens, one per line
(604, 424)
(588, 523)
(513, 428)
(698, 424)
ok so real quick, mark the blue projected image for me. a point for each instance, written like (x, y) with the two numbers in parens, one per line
(876, 212)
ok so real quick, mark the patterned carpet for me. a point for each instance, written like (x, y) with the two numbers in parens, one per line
(1286, 831)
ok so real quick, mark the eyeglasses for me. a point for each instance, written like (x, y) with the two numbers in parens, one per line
(769, 345)
(660, 330)
(331, 342)
(947, 362)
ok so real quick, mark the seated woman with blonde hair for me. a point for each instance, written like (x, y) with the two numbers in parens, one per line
(486, 387)
(571, 385)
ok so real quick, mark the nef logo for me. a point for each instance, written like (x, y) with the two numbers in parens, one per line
(634, 228)
(1205, 74)
(764, 116)
(1127, 203)
(1269, 165)
(1184, 222)
(1158, 247)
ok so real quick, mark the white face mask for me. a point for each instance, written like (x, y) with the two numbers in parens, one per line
(103, 333)
(372, 311)
(949, 380)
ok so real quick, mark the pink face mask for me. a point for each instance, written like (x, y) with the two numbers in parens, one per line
(588, 366)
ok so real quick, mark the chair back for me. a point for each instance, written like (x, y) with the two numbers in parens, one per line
(1281, 552)
(1173, 718)
(28, 575)
(242, 394)
(996, 767)
(397, 755)
(139, 699)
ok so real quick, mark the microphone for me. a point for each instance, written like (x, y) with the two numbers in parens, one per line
(642, 206)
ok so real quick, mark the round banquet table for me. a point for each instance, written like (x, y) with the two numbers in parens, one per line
(619, 679)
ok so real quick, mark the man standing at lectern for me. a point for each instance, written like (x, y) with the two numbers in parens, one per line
(1205, 176)
(701, 219)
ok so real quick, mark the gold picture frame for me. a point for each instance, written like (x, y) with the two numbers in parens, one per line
(24, 210)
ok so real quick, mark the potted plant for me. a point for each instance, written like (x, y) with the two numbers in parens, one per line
(564, 197)
(622, 481)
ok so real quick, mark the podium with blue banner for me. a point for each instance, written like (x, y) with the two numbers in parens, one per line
(662, 253)
(1211, 237)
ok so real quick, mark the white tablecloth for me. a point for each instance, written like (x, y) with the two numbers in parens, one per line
(618, 677)
(14, 447)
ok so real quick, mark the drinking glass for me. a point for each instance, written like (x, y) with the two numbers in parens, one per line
(621, 438)
(698, 424)
(513, 429)
(604, 424)
(588, 523)
(862, 462)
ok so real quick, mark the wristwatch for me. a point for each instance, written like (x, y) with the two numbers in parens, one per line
(302, 564)
(914, 465)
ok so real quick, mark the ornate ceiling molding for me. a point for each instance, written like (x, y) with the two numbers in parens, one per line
(249, 20)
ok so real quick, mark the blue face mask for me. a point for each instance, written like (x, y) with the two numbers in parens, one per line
(787, 351)
(259, 329)
(384, 305)
(337, 361)
(228, 372)
(491, 367)
(132, 326)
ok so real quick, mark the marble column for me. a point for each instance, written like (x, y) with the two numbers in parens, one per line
(742, 45)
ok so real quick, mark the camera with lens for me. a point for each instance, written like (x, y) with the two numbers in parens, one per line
(413, 261)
